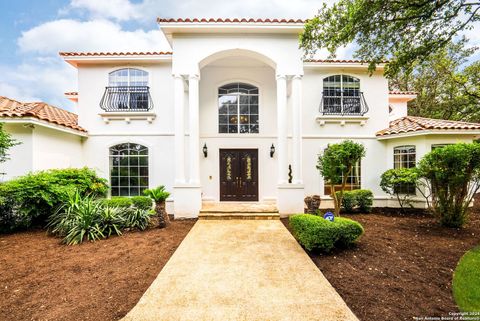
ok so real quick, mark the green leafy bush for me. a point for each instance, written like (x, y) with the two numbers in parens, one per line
(142, 202)
(158, 194)
(453, 173)
(137, 218)
(35, 196)
(86, 218)
(316, 233)
(401, 183)
(359, 198)
(364, 199)
(11, 219)
(118, 201)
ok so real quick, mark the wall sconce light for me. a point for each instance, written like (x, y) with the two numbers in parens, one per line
(272, 151)
(205, 150)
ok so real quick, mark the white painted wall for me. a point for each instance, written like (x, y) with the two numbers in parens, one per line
(40, 149)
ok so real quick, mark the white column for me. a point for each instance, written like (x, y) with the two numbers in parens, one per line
(194, 120)
(179, 91)
(281, 149)
(297, 129)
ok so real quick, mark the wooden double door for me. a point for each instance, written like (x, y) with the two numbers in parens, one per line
(238, 175)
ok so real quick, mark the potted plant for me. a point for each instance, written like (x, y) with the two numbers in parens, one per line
(159, 195)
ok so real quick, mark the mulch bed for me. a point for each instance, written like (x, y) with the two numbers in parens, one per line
(41, 279)
(401, 268)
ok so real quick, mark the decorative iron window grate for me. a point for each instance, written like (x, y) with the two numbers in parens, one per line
(343, 105)
(126, 98)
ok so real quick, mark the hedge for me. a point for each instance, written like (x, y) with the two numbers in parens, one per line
(140, 202)
(316, 233)
(361, 199)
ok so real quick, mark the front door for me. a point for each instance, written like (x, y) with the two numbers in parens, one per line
(238, 175)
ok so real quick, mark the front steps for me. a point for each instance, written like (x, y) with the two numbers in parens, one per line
(238, 211)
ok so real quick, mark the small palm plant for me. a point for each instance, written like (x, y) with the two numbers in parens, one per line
(159, 195)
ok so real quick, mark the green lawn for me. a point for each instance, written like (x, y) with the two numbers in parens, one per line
(466, 281)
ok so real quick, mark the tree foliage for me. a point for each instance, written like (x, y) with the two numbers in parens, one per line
(6, 142)
(447, 87)
(403, 31)
(337, 162)
(392, 181)
(453, 173)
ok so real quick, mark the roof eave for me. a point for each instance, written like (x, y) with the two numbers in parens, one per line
(343, 65)
(76, 60)
(467, 132)
(43, 123)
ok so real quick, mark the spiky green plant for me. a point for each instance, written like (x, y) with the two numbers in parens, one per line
(111, 220)
(137, 218)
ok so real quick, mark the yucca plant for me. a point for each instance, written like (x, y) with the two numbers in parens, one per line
(77, 220)
(111, 220)
(137, 218)
(159, 195)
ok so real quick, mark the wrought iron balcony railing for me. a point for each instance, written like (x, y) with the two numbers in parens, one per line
(127, 98)
(343, 105)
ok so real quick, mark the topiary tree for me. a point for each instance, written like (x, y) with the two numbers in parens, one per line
(336, 164)
(393, 180)
(159, 196)
(453, 175)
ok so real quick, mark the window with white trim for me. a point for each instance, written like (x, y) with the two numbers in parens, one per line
(128, 169)
(353, 180)
(238, 109)
(405, 157)
(342, 96)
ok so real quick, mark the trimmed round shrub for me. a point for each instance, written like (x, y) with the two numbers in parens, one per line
(316, 233)
(118, 201)
(142, 202)
(364, 199)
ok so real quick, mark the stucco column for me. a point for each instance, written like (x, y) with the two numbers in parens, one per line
(282, 129)
(297, 129)
(193, 103)
(179, 114)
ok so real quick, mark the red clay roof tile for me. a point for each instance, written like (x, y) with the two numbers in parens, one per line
(229, 20)
(410, 124)
(85, 54)
(12, 108)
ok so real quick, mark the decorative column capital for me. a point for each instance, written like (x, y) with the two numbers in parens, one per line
(281, 77)
(193, 77)
(177, 76)
(299, 77)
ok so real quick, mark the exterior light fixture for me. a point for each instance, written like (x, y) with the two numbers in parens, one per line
(272, 151)
(205, 150)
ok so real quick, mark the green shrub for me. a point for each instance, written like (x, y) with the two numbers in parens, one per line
(158, 194)
(316, 233)
(364, 200)
(137, 218)
(348, 201)
(401, 183)
(359, 198)
(11, 219)
(453, 173)
(35, 196)
(142, 202)
(85, 218)
(118, 201)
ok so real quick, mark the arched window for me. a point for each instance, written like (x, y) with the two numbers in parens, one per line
(127, 91)
(342, 96)
(128, 169)
(238, 108)
(128, 77)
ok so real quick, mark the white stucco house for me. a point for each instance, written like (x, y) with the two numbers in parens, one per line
(233, 113)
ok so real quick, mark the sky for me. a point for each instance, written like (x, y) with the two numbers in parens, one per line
(32, 32)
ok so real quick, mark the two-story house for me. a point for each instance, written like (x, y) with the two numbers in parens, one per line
(235, 114)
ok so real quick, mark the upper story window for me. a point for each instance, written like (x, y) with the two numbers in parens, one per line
(238, 108)
(342, 96)
(127, 90)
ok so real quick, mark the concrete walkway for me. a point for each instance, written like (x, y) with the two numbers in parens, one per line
(240, 270)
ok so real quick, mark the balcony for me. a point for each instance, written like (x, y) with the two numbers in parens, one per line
(127, 99)
(343, 105)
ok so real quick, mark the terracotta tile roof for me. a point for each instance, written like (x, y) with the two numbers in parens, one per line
(410, 124)
(228, 20)
(342, 61)
(71, 93)
(85, 54)
(39, 110)
(399, 92)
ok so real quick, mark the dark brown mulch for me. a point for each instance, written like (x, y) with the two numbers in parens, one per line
(401, 268)
(41, 279)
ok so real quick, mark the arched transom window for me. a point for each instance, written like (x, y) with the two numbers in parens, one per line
(342, 96)
(128, 169)
(238, 108)
(128, 77)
